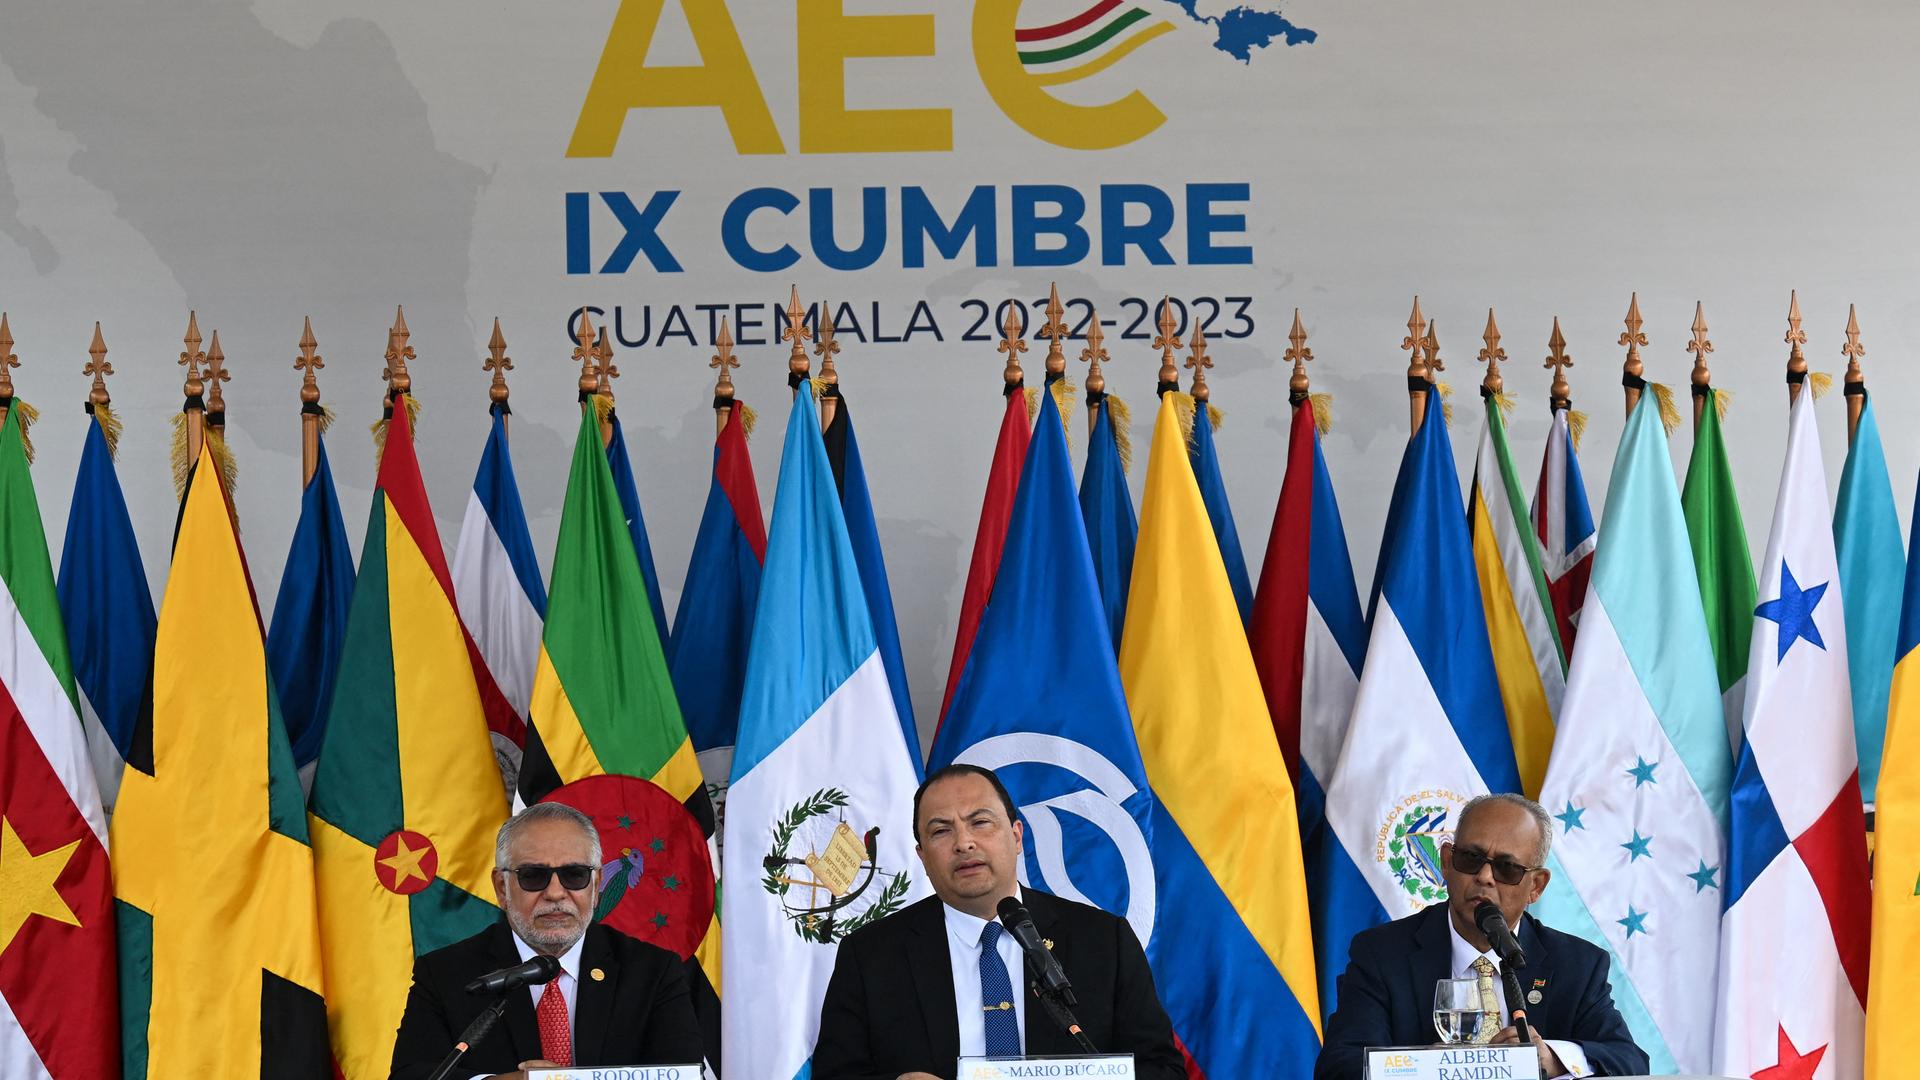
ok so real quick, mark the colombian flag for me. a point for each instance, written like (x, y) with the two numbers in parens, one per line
(1896, 857)
(406, 799)
(1217, 771)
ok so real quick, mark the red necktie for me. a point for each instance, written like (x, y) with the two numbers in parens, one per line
(556, 1041)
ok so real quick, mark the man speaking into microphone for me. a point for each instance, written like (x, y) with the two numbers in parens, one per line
(948, 977)
(1494, 868)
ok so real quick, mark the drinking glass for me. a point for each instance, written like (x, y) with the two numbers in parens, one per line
(1456, 1010)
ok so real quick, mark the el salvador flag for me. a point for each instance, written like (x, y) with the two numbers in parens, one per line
(309, 626)
(1429, 731)
(821, 762)
(108, 613)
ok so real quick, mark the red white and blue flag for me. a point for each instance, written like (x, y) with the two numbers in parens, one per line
(1564, 524)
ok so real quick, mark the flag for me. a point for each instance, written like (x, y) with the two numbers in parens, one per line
(58, 1014)
(1564, 526)
(707, 652)
(1229, 821)
(1429, 731)
(1527, 657)
(863, 532)
(108, 612)
(822, 773)
(603, 705)
(1720, 556)
(1107, 508)
(1866, 538)
(1896, 854)
(406, 796)
(496, 583)
(1794, 936)
(220, 959)
(310, 616)
(636, 523)
(1642, 749)
(1309, 640)
(1213, 492)
(1003, 479)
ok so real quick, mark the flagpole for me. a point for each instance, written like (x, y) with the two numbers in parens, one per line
(1560, 394)
(1094, 352)
(1012, 344)
(1419, 375)
(1796, 340)
(1856, 388)
(1198, 361)
(1299, 387)
(605, 371)
(499, 363)
(216, 373)
(1167, 342)
(97, 366)
(308, 362)
(825, 347)
(723, 393)
(1491, 384)
(1700, 347)
(195, 407)
(586, 350)
(799, 368)
(1634, 370)
(399, 379)
(1055, 331)
(9, 361)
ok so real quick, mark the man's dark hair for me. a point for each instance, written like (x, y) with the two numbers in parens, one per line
(948, 773)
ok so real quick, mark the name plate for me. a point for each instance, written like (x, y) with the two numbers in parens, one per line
(1103, 1066)
(1454, 1063)
(618, 1072)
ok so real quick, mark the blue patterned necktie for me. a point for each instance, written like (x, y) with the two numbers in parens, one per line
(996, 997)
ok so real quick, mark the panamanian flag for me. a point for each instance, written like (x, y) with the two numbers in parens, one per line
(1794, 936)
(821, 767)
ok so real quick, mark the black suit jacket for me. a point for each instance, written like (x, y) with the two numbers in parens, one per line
(639, 1013)
(890, 1009)
(1386, 995)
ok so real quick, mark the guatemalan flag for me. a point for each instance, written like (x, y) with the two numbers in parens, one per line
(1640, 774)
(1428, 731)
(822, 768)
(1794, 937)
(496, 582)
(1564, 523)
(1309, 641)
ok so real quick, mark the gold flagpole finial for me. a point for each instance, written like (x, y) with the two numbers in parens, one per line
(586, 351)
(723, 360)
(399, 380)
(1168, 343)
(798, 367)
(307, 363)
(1094, 355)
(826, 346)
(1299, 386)
(1796, 340)
(97, 366)
(1633, 370)
(8, 361)
(1012, 344)
(499, 363)
(1418, 373)
(216, 374)
(1700, 347)
(1055, 331)
(1198, 361)
(1856, 384)
(605, 370)
(1493, 355)
(1435, 365)
(1559, 395)
(193, 356)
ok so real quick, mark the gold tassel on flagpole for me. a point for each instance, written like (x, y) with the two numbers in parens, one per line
(1669, 412)
(1120, 417)
(1322, 406)
(27, 415)
(1576, 427)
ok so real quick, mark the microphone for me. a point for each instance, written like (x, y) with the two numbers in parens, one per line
(1015, 919)
(1493, 924)
(538, 970)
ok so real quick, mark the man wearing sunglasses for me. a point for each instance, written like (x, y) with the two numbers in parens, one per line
(616, 1001)
(1386, 997)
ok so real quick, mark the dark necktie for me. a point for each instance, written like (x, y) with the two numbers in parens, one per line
(996, 997)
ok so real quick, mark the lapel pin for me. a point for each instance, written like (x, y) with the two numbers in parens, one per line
(1533, 997)
(600, 976)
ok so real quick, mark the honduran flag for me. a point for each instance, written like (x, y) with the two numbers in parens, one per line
(1106, 506)
(1429, 731)
(1309, 641)
(823, 776)
(1563, 522)
(496, 582)
(1794, 936)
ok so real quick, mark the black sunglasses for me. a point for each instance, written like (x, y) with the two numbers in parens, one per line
(1505, 871)
(533, 878)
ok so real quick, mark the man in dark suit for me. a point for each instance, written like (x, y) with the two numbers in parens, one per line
(919, 989)
(617, 1001)
(1386, 996)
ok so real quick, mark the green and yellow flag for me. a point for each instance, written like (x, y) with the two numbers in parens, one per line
(1720, 555)
(406, 796)
(219, 950)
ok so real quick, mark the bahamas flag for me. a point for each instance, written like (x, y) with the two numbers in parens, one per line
(1003, 479)
(310, 615)
(1641, 770)
(1213, 492)
(406, 797)
(1107, 508)
(1866, 536)
(108, 613)
(1527, 657)
(1225, 830)
(1309, 641)
(1429, 731)
(636, 523)
(1896, 854)
(707, 652)
(220, 958)
(823, 776)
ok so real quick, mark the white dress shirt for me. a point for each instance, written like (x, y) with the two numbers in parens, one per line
(963, 950)
(567, 980)
(1464, 955)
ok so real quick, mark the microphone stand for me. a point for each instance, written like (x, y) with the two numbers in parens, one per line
(1063, 1016)
(1516, 1004)
(476, 1031)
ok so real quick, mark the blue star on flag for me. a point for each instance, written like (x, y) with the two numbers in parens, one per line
(1635, 922)
(1643, 773)
(1570, 817)
(1793, 610)
(1637, 847)
(1703, 878)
